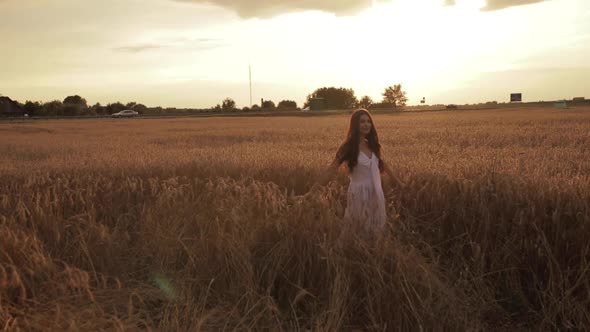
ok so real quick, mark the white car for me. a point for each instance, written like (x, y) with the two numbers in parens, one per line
(125, 114)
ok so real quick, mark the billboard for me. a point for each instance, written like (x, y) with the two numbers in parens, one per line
(515, 97)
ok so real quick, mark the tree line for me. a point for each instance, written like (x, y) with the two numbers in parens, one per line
(331, 98)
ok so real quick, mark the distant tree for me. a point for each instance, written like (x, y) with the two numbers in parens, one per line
(157, 109)
(87, 111)
(394, 96)
(130, 105)
(75, 100)
(284, 104)
(268, 104)
(140, 108)
(255, 107)
(52, 108)
(217, 107)
(72, 109)
(365, 102)
(228, 104)
(32, 108)
(115, 107)
(334, 98)
(97, 109)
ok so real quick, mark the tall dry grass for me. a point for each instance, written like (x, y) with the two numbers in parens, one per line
(196, 225)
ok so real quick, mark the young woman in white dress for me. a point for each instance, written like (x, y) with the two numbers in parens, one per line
(361, 153)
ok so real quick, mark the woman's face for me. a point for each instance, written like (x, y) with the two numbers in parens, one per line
(364, 125)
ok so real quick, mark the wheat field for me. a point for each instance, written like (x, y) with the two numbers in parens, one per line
(196, 224)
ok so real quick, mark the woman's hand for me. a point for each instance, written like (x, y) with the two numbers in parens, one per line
(402, 185)
(395, 184)
(395, 181)
(323, 179)
(312, 191)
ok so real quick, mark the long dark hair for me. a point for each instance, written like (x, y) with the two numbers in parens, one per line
(349, 150)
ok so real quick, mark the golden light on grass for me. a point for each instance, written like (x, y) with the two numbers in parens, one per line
(194, 224)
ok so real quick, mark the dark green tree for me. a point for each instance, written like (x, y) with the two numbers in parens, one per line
(75, 100)
(140, 108)
(98, 108)
(395, 96)
(365, 102)
(268, 104)
(52, 108)
(32, 108)
(334, 98)
(286, 104)
(72, 109)
(115, 107)
(228, 104)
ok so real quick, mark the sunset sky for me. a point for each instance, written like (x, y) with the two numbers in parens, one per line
(194, 53)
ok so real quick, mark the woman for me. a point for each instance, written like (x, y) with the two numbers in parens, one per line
(361, 152)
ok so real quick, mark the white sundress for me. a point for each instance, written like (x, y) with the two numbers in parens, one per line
(365, 200)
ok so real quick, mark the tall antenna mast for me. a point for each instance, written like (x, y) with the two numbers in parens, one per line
(250, 75)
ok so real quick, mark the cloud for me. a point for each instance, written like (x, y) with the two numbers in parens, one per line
(265, 8)
(169, 43)
(137, 48)
(501, 4)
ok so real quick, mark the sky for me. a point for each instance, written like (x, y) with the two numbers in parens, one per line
(195, 53)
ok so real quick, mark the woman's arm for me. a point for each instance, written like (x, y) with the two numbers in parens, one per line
(392, 175)
(327, 174)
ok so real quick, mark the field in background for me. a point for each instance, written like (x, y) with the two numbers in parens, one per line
(195, 224)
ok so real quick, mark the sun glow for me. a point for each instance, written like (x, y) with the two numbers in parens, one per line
(157, 50)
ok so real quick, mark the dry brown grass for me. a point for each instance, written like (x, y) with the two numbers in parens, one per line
(193, 224)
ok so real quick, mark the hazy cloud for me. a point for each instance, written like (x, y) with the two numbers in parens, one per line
(137, 48)
(265, 8)
(501, 4)
(168, 43)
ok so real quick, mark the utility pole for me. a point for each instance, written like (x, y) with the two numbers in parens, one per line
(250, 76)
